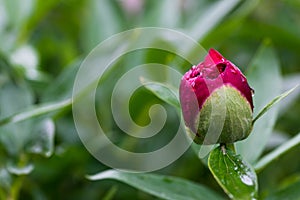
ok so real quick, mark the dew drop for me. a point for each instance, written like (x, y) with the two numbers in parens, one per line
(196, 73)
(246, 179)
(19, 170)
(253, 196)
(252, 92)
(233, 71)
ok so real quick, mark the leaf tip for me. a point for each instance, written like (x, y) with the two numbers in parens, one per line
(89, 177)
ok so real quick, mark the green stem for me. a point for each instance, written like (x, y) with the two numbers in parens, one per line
(15, 189)
(111, 193)
(224, 147)
(231, 146)
(2, 193)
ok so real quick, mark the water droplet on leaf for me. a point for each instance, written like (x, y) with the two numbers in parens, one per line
(19, 170)
(246, 179)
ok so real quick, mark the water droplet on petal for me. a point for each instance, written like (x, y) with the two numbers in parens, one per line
(233, 71)
(252, 92)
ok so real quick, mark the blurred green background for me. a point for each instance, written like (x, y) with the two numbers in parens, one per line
(42, 44)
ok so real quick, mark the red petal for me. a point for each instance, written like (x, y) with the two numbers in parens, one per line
(213, 57)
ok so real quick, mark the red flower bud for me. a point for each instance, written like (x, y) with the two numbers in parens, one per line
(214, 92)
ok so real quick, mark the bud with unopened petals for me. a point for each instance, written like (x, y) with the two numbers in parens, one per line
(216, 101)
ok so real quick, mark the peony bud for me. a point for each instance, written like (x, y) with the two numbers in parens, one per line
(216, 101)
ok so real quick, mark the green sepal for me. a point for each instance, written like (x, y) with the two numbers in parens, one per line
(226, 117)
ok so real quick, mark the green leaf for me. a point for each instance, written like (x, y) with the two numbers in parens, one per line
(16, 14)
(233, 22)
(165, 187)
(42, 141)
(267, 159)
(12, 99)
(39, 11)
(211, 17)
(264, 77)
(100, 23)
(233, 174)
(5, 179)
(290, 81)
(169, 13)
(290, 192)
(293, 3)
(163, 92)
(36, 111)
(64, 82)
(273, 102)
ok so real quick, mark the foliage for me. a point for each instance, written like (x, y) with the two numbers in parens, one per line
(43, 43)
